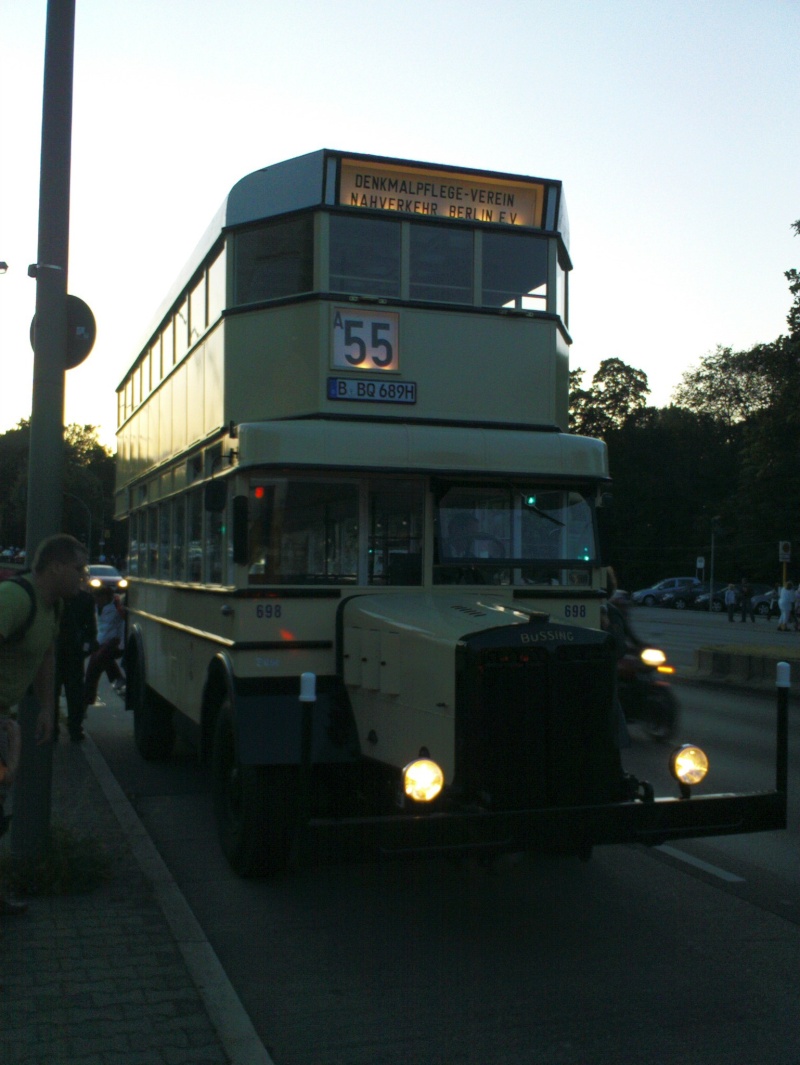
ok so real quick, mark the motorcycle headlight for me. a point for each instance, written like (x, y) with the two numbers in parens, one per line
(651, 656)
(423, 780)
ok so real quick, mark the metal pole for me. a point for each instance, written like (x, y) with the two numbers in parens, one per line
(30, 828)
(714, 522)
(782, 738)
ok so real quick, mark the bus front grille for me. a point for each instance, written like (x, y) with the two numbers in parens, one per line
(534, 722)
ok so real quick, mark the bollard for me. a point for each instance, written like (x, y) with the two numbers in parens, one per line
(308, 696)
(782, 760)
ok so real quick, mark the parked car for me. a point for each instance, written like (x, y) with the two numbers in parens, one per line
(766, 604)
(653, 595)
(683, 598)
(701, 601)
(108, 576)
(718, 604)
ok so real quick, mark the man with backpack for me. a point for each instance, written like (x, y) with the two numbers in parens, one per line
(30, 610)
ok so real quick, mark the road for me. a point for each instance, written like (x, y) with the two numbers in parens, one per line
(681, 632)
(685, 954)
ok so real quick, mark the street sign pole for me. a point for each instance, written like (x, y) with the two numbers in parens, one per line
(30, 827)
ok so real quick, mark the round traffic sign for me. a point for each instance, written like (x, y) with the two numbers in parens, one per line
(81, 332)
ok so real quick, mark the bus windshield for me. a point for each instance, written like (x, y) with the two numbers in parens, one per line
(516, 534)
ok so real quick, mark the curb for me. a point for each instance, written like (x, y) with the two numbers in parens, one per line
(226, 1012)
(751, 670)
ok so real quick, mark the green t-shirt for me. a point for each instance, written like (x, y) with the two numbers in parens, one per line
(20, 659)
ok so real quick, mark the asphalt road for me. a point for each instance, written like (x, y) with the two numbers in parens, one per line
(685, 954)
(682, 632)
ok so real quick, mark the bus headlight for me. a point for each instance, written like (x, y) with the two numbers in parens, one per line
(689, 765)
(422, 780)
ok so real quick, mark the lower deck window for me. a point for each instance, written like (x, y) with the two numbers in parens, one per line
(303, 532)
(514, 534)
(335, 532)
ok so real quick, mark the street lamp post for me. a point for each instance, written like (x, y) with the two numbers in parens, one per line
(30, 827)
(714, 526)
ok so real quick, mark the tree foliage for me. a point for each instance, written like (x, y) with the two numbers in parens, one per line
(617, 392)
(88, 485)
(728, 448)
(731, 386)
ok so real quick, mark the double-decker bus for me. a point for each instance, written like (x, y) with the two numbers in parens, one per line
(363, 553)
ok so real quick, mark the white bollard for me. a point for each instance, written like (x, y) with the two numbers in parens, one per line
(308, 687)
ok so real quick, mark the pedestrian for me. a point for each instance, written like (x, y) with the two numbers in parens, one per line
(30, 610)
(77, 638)
(786, 601)
(110, 645)
(746, 600)
(731, 599)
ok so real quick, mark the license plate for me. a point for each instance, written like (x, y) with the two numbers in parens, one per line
(372, 391)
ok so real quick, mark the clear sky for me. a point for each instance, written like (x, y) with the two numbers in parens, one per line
(674, 126)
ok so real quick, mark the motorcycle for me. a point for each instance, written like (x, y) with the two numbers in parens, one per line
(645, 693)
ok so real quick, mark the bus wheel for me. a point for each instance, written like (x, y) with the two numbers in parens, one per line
(153, 727)
(256, 807)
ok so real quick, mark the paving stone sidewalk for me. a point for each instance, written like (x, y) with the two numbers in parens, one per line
(98, 979)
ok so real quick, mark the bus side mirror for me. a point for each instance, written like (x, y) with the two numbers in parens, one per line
(240, 519)
(215, 496)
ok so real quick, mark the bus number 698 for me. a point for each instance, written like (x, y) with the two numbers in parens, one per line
(268, 610)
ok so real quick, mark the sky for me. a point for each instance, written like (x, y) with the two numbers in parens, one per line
(673, 125)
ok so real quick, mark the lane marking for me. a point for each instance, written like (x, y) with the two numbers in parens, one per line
(698, 863)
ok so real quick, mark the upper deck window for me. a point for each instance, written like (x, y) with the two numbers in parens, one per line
(274, 260)
(514, 271)
(441, 264)
(365, 256)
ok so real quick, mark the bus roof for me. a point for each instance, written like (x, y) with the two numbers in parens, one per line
(311, 180)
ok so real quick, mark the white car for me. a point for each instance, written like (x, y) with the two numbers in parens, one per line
(108, 576)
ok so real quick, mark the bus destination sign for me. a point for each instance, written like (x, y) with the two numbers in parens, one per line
(440, 194)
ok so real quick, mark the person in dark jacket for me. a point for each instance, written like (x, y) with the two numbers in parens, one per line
(746, 600)
(77, 638)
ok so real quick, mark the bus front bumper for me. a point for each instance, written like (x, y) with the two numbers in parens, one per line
(565, 829)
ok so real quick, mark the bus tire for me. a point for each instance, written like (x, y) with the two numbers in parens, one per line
(153, 727)
(256, 807)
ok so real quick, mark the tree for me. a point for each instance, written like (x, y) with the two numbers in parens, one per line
(617, 392)
(671, 471)
(729, 385)
(793, 277)
(88, 484)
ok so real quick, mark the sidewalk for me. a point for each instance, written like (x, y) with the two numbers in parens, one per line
(122, 975)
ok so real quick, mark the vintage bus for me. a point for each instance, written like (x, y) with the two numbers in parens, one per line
(363, 553)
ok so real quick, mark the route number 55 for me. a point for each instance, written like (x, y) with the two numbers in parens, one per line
(365, 340)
